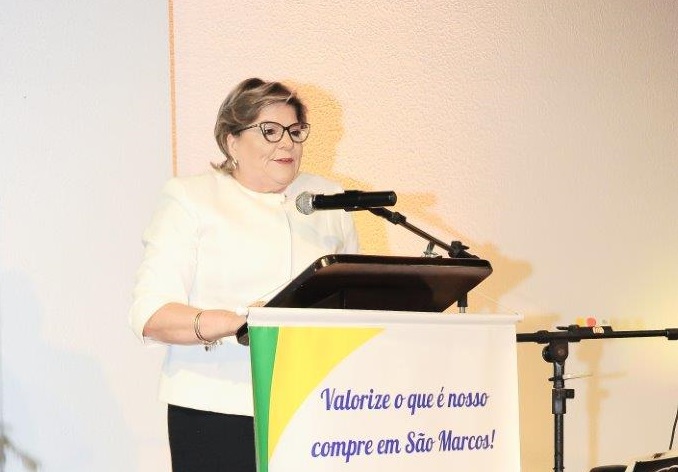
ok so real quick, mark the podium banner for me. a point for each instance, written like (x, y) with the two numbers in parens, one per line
(356, 390)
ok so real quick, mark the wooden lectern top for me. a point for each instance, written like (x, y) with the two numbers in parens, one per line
(383, 283)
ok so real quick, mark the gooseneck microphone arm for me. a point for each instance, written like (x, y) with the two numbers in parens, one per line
(455, 250)
(374, 202)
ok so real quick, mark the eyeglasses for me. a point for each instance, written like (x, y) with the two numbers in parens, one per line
(273, 132)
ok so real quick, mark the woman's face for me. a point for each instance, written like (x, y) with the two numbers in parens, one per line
(264, 166)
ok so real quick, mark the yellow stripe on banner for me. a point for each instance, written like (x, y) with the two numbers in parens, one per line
(304, 357)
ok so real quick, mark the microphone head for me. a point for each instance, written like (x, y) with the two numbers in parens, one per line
(305, 203)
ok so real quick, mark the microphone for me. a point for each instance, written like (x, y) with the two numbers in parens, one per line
(350, 200)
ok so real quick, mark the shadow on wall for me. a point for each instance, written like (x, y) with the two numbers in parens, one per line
(320, 154)
(58, 412)
(535, 391)
(536, 420)
(9, 449)
(507, 273)
(590, 354)
(10, 453)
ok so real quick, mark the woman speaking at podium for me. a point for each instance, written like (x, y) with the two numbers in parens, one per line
(217, 243)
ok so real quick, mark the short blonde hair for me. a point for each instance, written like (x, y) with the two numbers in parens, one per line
(241, 108)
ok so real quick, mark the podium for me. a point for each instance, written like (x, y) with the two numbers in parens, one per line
(347, 383)
(383, 283)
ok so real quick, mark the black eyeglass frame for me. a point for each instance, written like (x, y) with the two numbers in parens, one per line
(261, 126)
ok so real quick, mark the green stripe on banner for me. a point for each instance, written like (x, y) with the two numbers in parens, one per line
(263, 344)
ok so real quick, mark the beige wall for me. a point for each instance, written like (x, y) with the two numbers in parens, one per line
(84, 150)
(541, 134)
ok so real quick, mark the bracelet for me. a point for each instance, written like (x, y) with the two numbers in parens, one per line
(209, 345)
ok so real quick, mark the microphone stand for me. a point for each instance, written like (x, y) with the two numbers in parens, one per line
(556, 352)
(455, 249)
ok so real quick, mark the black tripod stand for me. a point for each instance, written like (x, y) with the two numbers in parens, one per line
(556, 352)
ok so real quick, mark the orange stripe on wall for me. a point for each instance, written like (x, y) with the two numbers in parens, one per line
(173, 103)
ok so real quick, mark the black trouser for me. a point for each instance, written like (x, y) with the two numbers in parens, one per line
(202, 441)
